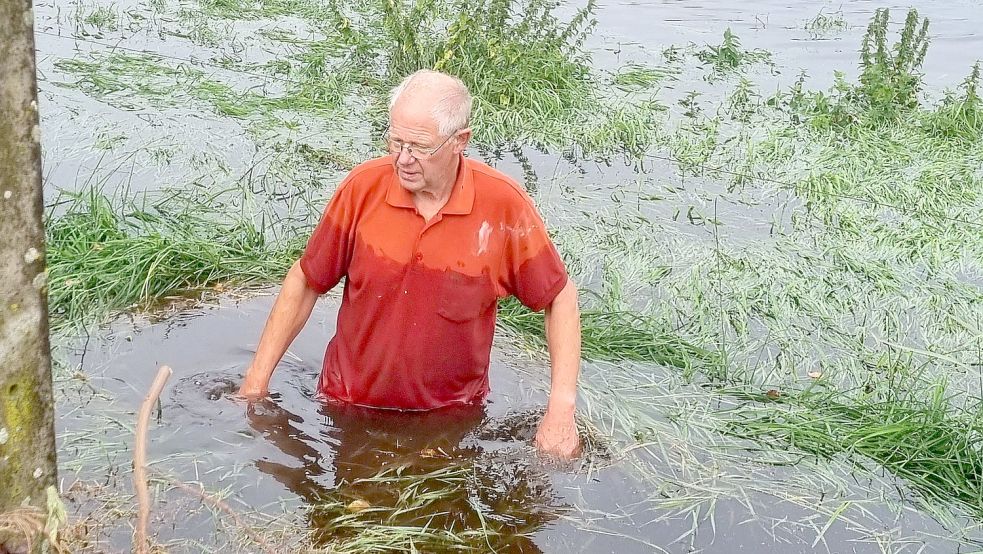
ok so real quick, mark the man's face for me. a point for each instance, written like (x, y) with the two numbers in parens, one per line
(411, 123)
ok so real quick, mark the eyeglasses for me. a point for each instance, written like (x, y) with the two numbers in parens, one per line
(416, 152)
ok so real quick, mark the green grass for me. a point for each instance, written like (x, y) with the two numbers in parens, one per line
(871, 258)
(890, 80)
(612, 335)
(109, 254)
(126, 79)
(530, 74)
(933, 447)
(633, 77)
(442, 509)
(103, 18)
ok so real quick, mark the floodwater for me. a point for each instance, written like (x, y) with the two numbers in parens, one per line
(306, 461)
(292, 462)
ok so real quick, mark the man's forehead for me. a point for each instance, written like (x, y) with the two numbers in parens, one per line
(412, 118)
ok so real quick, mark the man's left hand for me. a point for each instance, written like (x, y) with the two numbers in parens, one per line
(557, 436)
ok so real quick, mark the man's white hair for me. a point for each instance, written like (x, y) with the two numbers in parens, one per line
(452, 107)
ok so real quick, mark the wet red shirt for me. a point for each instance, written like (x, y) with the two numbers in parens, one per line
(418, 311)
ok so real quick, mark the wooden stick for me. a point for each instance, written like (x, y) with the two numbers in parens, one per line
(140, 460)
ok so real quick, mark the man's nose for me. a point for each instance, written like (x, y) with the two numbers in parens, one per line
(403, 157)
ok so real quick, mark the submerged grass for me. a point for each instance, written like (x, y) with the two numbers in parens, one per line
(445, 509)
(729, 55)
(876, 254)
(612, 335)
(936, 449)
(824, 24)
(107, 254)
(125, 78)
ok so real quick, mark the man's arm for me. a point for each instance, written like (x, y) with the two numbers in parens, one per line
(557, 434)
(290, 313)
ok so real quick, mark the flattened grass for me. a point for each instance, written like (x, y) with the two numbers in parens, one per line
(935, 448)
(612, 335)
(528, 70)
(124, 78)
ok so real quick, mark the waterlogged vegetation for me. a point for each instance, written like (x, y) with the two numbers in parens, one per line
(826, 23)
(729, 55)
(782, 304)
(530, 75)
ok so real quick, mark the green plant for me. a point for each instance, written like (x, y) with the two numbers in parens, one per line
(102, 18)
(636, 77)
(729, 55)
(529, 68)
(611, 335)
(934, 447)
(889, 77)
(106, 255)
(959, 118)
(826, 23)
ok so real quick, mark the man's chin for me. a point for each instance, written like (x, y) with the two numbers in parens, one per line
(411, 183)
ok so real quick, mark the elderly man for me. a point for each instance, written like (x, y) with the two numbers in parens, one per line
(428, 241)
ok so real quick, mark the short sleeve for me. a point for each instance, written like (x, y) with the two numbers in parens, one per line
(534, 272)
(329, 250)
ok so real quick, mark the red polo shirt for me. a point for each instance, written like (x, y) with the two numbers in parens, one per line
(418, 311)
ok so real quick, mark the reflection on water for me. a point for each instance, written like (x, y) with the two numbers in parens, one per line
(363, 480)
(427, 472)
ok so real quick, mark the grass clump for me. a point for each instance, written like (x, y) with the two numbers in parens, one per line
(528, 71)
(931, 445)
(527, 68)
(889, 77)
(633, 77)
(106, 255)
(124, 78)
(611, 335)
(102, 18)
(448, 508)
(959, 118)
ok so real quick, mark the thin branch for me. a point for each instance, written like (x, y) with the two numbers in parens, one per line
(140, 460)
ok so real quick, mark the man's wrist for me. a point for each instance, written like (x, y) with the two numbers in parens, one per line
(562, 404)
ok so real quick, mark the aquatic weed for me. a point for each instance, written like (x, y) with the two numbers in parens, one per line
(824, 24)
(729, 55)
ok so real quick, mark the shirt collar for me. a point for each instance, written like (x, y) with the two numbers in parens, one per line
(462, 195)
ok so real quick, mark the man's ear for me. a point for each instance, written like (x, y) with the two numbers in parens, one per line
(463, 137)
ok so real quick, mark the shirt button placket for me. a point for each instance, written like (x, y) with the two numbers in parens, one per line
(418, 249)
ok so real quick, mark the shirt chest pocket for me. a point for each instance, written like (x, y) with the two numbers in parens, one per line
(463, 297)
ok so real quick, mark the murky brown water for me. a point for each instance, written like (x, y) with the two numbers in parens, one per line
(341, 470)
(476, 462)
